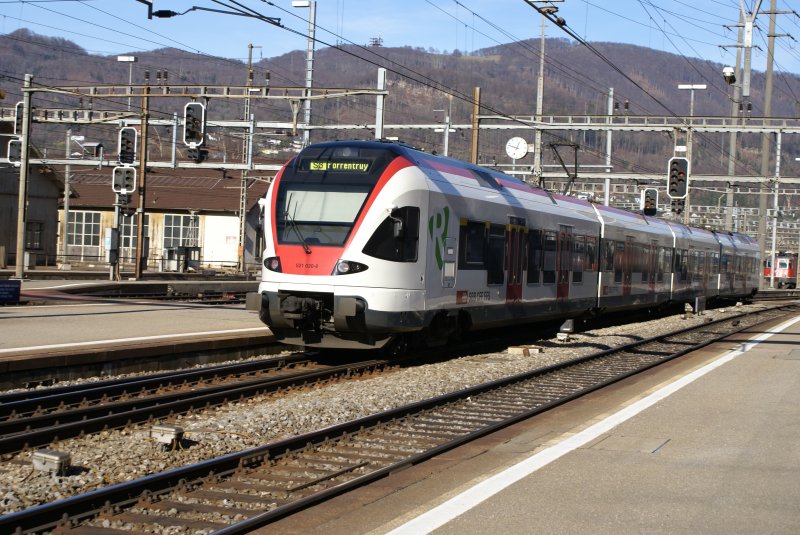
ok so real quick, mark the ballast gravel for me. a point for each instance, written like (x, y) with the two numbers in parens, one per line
(116, 456)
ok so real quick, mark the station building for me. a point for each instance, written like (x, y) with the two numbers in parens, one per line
(192, 220)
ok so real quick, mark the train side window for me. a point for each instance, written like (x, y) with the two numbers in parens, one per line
(578, 259)
(549, 258)
(591, 253)
(682, 265)
(535, 249)
(473, 246)
(608, 255)
(619, 261)
(397, 237)
(644, 262)
(495, 273)
(668, 259)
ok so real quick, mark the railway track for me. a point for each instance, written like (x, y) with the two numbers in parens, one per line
(38, 417)
(239, 492)
(777, 295)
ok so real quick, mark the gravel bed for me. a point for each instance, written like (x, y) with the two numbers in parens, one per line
(121, 455)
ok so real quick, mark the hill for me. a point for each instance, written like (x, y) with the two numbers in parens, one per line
(576, 83)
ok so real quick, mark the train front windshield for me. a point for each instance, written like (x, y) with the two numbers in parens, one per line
(321, 195)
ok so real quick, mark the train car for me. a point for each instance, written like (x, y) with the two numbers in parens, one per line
(785, 270)
(372, 243)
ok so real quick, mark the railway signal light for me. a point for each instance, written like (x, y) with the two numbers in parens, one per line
(14, 151)
(650, 201)
(18, 110)
(678, 178)
(677, 205)
(197, 154)
(194, 118)
(127, 144)
(124, 179)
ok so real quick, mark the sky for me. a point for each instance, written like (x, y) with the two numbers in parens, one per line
(694, 28)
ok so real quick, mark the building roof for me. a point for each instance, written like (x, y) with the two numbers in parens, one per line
(205, 190)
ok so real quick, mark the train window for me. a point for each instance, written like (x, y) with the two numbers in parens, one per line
(668, 260)
(644, 262)
(497, 254)
(714, 262)
(535, 250)
(473, 245)
(397, 237)
(591, 253)
(549, 258)
(578, 259)
(608, 255)
(681, 265)
(619, 259)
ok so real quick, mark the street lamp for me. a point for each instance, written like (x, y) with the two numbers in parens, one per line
(691, 88)
(130, 60)
(312, 16)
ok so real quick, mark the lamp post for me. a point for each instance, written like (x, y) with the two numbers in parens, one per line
(691, 88)
(130, 60)
(312, 16)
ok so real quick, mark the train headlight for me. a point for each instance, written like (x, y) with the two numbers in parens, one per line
(273, 263)
(346, 267)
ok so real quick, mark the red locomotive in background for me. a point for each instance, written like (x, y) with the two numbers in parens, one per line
(785, 270)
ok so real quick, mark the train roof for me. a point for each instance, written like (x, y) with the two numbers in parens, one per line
(443, 163)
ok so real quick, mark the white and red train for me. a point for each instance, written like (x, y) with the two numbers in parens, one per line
(372, 242)
(785, 270)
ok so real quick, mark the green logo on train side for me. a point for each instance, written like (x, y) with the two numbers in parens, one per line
(438, 224)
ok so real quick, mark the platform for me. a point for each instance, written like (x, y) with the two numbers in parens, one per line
(705, 444)
(64, 326)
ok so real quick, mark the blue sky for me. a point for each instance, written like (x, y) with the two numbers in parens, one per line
(693, 28)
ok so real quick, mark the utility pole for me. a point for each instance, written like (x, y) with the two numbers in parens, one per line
(379, 101)
(141, 246)
(67, 177)
(246, 158)
(763, 195)
(22, 201)
(476, 109)
(550, 9)
(775, 208)
(735, 103)
(312, 26)
(446, 129)
(537, 140)
(607, 181)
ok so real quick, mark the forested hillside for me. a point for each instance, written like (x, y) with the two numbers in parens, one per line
(576, 82)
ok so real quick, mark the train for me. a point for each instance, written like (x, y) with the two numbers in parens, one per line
(785, 270)
(375, 244)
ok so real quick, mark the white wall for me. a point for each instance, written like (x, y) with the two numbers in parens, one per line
(220, 239)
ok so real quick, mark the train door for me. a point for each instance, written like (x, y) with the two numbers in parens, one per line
(564, 262)
(627, 265)
(514, 260)
(449, 263)
(652, 266)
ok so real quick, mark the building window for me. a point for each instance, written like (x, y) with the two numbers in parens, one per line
(180, 231)
(127, 230)
(83, 228)
(33, 235)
